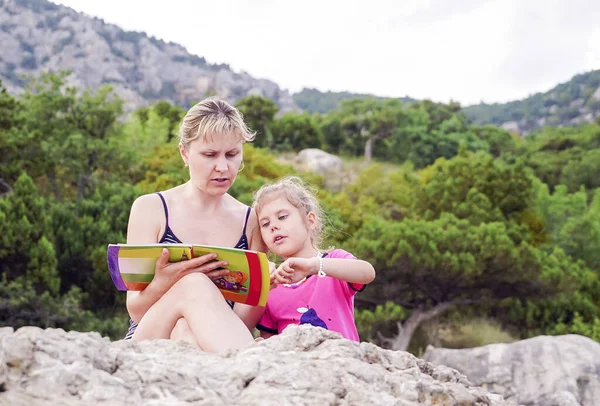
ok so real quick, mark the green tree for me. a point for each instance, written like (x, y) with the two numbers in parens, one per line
(582, 172)
(429, 267)
(571, 222)
(444, 141)
(26, 237)
(81, 240)
(145, 135)
(393, 193)
(474, 187)
(404, 143)
(164, 112)
(66, 135)
(562, 155)
(499, 140)
(334, 139)
(438, 113)
(368, 121)
(39, 144)
(10, 110)
(293, 132)
(259, 112)
(173, 113)
(579, 326)
(93, 117)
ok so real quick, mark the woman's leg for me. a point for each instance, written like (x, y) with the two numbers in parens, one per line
(182, 332)
(196, 299)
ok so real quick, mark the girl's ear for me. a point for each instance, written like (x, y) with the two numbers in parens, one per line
(183, 153)
(311, 220)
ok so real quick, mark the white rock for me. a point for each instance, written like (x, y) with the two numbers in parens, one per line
(541, 371)
(304, 366)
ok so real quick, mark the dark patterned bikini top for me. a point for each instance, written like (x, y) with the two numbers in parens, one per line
(170, 237)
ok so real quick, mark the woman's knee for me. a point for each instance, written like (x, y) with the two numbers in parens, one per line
(195, 284)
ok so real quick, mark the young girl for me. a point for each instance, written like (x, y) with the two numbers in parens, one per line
(314, 287)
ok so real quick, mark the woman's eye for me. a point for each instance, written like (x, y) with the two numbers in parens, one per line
(209, 155)
(232, 155)
(283, 217)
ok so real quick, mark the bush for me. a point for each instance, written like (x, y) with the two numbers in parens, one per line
(579, 326)
(458, 332)
(474, 333)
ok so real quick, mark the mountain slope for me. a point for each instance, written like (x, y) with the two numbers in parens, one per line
(571, 103)
(37, 35)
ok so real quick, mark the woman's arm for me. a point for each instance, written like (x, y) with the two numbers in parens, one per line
(250, 315)
(143, 230)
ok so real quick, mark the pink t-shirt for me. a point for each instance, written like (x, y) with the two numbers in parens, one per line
(320, 301)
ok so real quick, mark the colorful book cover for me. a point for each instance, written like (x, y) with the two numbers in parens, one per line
(132, 268)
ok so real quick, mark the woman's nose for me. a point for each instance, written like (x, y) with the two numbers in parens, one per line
(221, 165)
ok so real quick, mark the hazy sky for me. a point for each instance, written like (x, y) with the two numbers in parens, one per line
(465, 50)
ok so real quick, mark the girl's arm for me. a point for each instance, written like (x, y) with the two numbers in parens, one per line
(250, 315)
(349, 270)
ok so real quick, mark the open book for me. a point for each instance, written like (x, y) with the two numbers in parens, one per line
(132, 268)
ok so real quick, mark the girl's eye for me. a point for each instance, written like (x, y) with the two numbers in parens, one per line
(209, 155)
(232, 154)
(265, 224)
(283, 217)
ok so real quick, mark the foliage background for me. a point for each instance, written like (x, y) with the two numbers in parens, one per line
(477, 235)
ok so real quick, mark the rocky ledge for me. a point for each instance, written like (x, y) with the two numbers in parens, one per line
(304, 365)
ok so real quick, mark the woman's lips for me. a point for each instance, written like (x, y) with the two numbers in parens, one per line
(220, 181)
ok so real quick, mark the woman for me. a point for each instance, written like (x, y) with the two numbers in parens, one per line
(182, 302)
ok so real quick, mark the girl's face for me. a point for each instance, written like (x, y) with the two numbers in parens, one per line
(286, 230)
(213, 162)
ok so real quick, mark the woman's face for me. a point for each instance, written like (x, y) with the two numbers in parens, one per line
(213, 162)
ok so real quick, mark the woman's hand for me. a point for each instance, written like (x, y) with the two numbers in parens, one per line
(293, 270)
(166, 274)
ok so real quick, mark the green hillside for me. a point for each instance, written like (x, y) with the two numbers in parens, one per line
(315, 101)
(571, 103)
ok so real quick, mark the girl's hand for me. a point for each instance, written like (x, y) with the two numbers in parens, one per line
(166, 274)
(272, 274)
(293, 270)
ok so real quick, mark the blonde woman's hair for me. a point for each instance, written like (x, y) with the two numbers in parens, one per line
(300, 195)
(213, 117)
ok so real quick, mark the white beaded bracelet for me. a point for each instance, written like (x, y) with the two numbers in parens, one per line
(321, 273)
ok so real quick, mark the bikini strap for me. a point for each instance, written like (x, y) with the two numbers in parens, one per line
(164, 207)
(246, 221)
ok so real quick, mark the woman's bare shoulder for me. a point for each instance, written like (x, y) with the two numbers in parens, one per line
(144, 219)
(146, 203)
(173, 193)
(234, 204)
